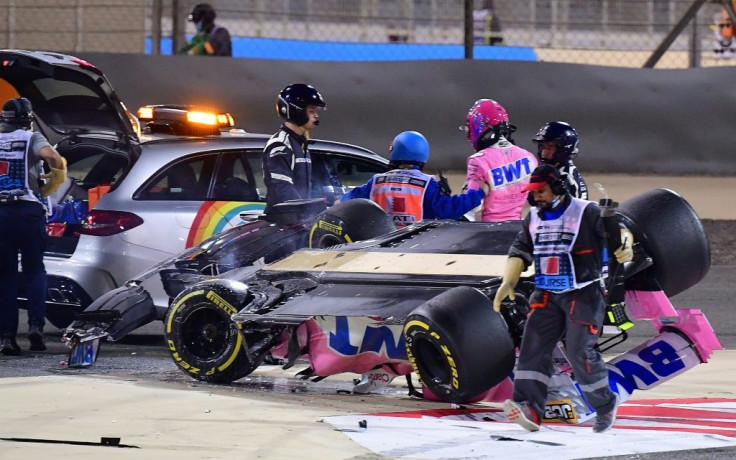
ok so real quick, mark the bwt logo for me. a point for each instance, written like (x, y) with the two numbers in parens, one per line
(510, 173)
(655, 363)
(373, 339)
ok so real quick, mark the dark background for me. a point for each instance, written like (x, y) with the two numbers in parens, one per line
(629, 120)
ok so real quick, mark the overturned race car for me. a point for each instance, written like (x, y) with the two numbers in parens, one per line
(420, 299)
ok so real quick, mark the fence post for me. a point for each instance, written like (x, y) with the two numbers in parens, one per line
(672, 35)
(156, 13)
(694, 53)
(468, 30)
(178, 26)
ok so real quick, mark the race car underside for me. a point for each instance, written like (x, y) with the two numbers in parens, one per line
(420, 299)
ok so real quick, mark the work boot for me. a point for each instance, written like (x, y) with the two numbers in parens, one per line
(603, 422)
(9, 347)
(35, 336)
(522, 413)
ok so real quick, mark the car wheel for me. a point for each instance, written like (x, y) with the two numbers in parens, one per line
(353, 220)
(458, 345)
(202, 339)
(670, 231)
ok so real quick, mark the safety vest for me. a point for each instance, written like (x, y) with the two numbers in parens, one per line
(553, 242)
(401, 194)
(14, 148)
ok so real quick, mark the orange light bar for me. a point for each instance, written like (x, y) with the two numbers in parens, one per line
(225, 120)
(154, 113)
(202, 118)
(145, 113)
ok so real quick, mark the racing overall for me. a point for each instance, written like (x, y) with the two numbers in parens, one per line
(409, 195)
(574, 180)
(22, 228)
(506, 169)
(287, 168)
(567, 250)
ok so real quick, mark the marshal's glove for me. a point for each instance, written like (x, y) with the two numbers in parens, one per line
(511, 275)
(444, 185)
(54, 179)
(625, 252)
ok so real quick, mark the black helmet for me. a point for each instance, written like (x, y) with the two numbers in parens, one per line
(202, 12)
(564, 136)
(17, 113)
(294, 99)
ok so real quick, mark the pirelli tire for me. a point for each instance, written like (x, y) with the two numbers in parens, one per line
(458, 345)
(202, 340)
(671, 232)
(349, 221)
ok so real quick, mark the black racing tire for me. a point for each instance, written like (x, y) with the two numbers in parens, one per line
(202, 339)
(671, 232)
(349, 221)
(458, 345)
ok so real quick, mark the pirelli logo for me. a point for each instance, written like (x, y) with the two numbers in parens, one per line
(336, 229)
(221, 303)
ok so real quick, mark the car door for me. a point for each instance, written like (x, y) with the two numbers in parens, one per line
(237, 195)
(170, 202)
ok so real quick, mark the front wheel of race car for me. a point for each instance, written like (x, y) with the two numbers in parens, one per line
(458, 345)
(202, 339)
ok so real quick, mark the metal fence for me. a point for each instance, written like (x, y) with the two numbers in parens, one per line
(620, 33)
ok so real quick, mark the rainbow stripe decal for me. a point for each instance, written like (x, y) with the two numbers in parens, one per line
(216, 216)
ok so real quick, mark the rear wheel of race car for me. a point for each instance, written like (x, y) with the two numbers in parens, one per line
(203, 341)
(458, 345)
(349, 221)
(671, 232)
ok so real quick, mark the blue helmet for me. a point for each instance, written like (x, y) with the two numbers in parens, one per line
(410, 147)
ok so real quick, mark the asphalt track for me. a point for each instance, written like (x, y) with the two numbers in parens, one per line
(136, 393)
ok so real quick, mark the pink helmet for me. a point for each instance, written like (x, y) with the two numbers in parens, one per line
(485, 114)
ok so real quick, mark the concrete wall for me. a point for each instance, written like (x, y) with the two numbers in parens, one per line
(629, 120)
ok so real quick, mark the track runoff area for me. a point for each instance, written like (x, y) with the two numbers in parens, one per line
(642, 427)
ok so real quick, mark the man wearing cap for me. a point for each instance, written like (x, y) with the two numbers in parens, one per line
(564, 238)
(23, 187)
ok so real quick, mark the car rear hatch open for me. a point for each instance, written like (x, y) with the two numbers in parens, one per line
(76, 108)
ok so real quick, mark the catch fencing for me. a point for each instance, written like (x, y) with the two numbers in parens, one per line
(621, 33)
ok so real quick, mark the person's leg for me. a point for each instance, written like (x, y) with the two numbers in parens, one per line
(32, 247)
(531, 377)
(590, 369)
(8, 280)
(8, 271)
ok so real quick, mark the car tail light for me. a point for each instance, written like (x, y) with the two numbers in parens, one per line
(105, 223)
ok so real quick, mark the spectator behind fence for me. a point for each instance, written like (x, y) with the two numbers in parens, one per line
(725, 41)
(210, 39)
(486, 25)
